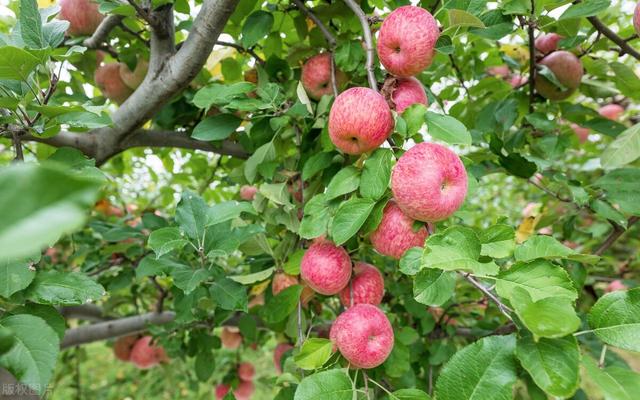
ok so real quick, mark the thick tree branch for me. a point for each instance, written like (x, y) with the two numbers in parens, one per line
(368, 41)
(611, 35)
(104, 29)
(158, 138)
(87, 312)
(115, 328)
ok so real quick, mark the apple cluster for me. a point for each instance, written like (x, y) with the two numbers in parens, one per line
(245, 387)
(140, 351)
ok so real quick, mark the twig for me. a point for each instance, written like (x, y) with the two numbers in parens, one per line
(603, 355)
(625, 48)
(162, 294)
(368, 40)
(501, 306)
(459, 75)
(134, 33)
(102, 32)
(532, 58)
(549, 192)
(366, 383)
(331, 40)
(17, 144)
(614, 235)
(430, 380)
(241, 49)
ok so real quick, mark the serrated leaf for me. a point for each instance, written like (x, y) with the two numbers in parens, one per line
(376, 174)
(63, 288)
(615, 383)
(254, 277)
(165, 240)
(333, 384)
(186, 278)
(218, 127)
(456, 248)
(543, 246)
(433, 287)
(498, 241)
(447, 129)
(411, 261)
(315, 352)
(349, 218)
(229, 295)
(15, 275)
(540, 278)
(280, 306)
(550, 317)
(256, 26)
(586, 8)
(615, 319)
(623, 150)
(345, 181)
(16, 64)
(461, 18)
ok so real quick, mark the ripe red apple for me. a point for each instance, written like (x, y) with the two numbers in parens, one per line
(325, 267)
(359, 121)
(518, 80)
(396, 233)
(122, 347)
(368, 286)
(134, 78)
(145, 354)
(83, 16)
(279, 351)
(408, 91)
(636, 18)
(107, 78)
(246, 371)
(548, 42)
(222, 390)
(248, 192)
(611, 111)
(615, 285)
(281, 281)
(581, 133)
(429, 182)
(244, 390)
(407, 40)
(568, 70)
(230, 337)
(316, 76)
(499, 71)
(363, 335)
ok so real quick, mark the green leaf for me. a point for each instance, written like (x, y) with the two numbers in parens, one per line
(186, 278)
(460, 18)
(191, 215)
(45, 202)
(623, 150)
(14, 276)
(33, 356)
(551, 317)
(229, 295)
(7, 340)
(587, 8)
(165, 240)
(254, 277)
(623, 189)
(150, 266)
(345, 181)
(16, 64)
(411, 261)
(263, 154)
(456, 248)
(615, 383)
(376, 174)
(483, 370)
(444, 45)
(349, 218)
(315, 352)
(553, 364)
(316, 163)
(498, 241)
(218, 127)
(204, 365)
(543, 246)
(349, 55)
(433, 287)
(447, 129)
(280, 306)
(292, 266)
(414, 116)
(256, 26)
(31, 24)
(49, 314)
(333, 384)
(626, 80)
(221, 94)
(399, 361)
(615, 319)
(410, 394)
(276, 192)
(228, 210)
(63, 288)
(540, 278)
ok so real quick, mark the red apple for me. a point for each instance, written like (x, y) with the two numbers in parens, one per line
(367, 284)
(281, 281)
(316, 76)
(246, 371)
(248, 192)
(518, 80)
(615, 285)
(581, 133)
(611, 111)
(568, 70)
(407, 40)
(363, 335)
(230, 337)
(636, 18)
(107, 78)
(547, 42)
(408, 91)
(325, 267)
(360, 120)
(396, 233)
(145, 354)
(244, 390)
(499, 71)
(429, 182)
(134, 78)
(83, 16)
(279, 351)
(123, 346)
(222, 390)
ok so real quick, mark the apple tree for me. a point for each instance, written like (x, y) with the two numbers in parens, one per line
(322, 199)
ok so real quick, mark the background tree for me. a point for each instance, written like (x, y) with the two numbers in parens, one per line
(321, 199)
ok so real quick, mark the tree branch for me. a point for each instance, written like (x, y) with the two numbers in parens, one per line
(611, 35)
(103, 31)
(532, 56)
(115, 328)
(614, 235)
(459, 75)
(241, 50)
(87, 312)
(368, 40)
(501, 306)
